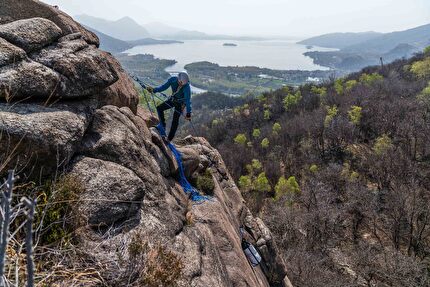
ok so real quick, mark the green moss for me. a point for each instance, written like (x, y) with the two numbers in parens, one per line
(205, 182)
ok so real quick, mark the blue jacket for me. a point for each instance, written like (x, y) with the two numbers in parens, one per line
(183, 96)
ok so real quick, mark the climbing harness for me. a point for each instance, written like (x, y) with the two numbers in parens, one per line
(250, 251)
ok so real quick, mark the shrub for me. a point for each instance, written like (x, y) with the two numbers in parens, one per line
(267, 114)
(424, 96)
(354, 114)
(240, 139)
(382, 144)
(261, 183)
(276, 128)
(349, 85)
(313, 168)
(370, 79)
(421, 68)
(338, 86)
(321, 91)
(291, 100)
(286, 186)
(205, 182)
(265, 143)
(245, 182)
(58, 196)
(256, 133)
(331, 113)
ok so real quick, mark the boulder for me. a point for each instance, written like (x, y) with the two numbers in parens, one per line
(122, 93)
(112, 194)
(117, 135)
(11, 10)
(9, 53)
(190, 160)
(30, 34)
(39, 141)
(28, 79)
(85, 70)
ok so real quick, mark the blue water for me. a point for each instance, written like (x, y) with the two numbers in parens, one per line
(274, 54)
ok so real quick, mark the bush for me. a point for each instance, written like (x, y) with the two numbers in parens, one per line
(58, 196)
(256, 133)
(245, 182)
(354, 114)
(265, 143)
(349, 85)
(261, 183)
(240, 139)
(369, 80)
(291, 100)
(286, 186)
(421, 68)
(276, 128)
(313, 168)
(331, 113)
(338, 86)
(205, 182)
(382, 144)
(267, 114)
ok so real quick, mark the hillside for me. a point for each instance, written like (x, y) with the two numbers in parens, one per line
(125, 29)
(104, 200)
(418, 37)
(340, 40)
(110, 44)
(357, 54)
(340, 172)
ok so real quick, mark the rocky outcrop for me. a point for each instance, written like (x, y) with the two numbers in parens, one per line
(47, 56)
(78, 115)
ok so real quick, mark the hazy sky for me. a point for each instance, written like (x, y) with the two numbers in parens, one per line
(262, 17)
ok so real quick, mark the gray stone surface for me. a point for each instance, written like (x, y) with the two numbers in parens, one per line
(30, 34)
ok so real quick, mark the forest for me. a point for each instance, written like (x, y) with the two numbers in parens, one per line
(340, 172)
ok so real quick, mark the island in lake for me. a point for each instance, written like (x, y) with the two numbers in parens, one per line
(230, 45)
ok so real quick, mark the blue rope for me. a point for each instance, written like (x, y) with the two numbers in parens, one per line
(186, 186)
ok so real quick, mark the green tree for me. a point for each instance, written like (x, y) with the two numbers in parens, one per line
(349, 85)
(331, 113)
(369, 80)
(313, 168)
(421, 68)
(322, 91)
(338, 86)
(240, 139)
(286, 186)
(276, 128)
(382, 144)
(267, 114)
(354, 114)
(245, 182)
(261, 183)
(291, 100)
(424, 96)
(256, 133)
(427, 50)
(265, 143)
(256, 164)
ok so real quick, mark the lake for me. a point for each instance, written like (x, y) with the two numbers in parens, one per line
(273, 54)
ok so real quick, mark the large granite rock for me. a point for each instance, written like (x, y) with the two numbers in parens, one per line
(30, 34)
(11, 10)
(46, 55)
(38, 140)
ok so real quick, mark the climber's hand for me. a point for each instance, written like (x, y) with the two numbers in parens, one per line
(188, 117)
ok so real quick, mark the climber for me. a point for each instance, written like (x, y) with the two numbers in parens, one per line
(181, 97)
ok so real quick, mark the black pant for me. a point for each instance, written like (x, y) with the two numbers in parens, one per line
(178, 110)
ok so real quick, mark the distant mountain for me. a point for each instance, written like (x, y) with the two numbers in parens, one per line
(113, 45)
(125, 29)
(110, 44)
(151, 41)
(418, 37)
(160, 30)
(340, 40)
